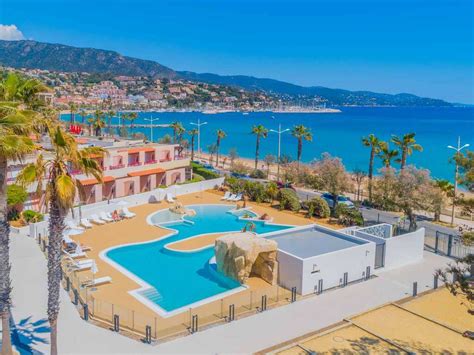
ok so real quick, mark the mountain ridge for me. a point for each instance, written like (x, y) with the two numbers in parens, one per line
(59, 57)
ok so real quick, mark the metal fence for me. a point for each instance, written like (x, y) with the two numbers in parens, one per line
(448, 245)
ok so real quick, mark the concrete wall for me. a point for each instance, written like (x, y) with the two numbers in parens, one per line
(404, 249)
(290, 268)
(331, 267)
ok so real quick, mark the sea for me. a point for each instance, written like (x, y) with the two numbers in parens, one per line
(338, 134)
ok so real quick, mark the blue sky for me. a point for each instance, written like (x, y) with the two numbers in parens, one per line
(420, 46)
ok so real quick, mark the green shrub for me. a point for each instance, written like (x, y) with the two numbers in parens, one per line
(205, 173)
(255, 191)
(348, 216)
(467, 238)
(196, 178)
(258, 174)
(289, 200)
(318, 207)
(32, 216)
(16, 195)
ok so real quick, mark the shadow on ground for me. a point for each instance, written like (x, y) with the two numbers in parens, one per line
(27, 334)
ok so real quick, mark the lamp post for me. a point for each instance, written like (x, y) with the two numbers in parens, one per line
(456, 172)
(279, 132)
(199, 124)
(151, 126)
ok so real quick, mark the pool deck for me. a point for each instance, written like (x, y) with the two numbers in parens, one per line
(137, 230)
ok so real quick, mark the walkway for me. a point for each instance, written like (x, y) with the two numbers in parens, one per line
(246, 335)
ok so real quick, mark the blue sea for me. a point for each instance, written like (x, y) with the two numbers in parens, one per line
(338, 134)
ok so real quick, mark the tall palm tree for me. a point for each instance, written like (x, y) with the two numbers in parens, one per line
(260, 132)
(386, 154)
(72, 110)
(178, 131)
(407, 145)
(110, 114)
(301, 133)
(373, 143)
(98, 122)
(83, 115)
(220, 135)
(193, 133)
(15, 125)
(61, 191)
(132, 116)
(15, 88)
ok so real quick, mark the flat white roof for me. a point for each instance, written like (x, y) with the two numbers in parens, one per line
(314, 241)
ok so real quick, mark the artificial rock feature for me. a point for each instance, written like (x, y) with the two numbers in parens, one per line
(242, 255)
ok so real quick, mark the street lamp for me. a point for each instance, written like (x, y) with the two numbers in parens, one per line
(456, 172)
(279, 132)
(151, 126)
(199, 124)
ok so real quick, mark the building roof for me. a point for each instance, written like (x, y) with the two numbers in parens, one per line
(93, 181)
(147, 172)
(140, 149)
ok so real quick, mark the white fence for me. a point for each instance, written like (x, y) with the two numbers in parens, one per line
(133, 200)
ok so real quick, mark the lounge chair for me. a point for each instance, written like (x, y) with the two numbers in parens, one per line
(231, 197)
(127, 214)
(85, 223)
(73, 225)
(169, 198)
(96, 220)
(226, 195)
(105, 217)
(238, 197)
(98, 281)
(74, 255)
(79, 265)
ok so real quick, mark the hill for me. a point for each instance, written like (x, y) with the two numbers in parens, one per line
(62, 58)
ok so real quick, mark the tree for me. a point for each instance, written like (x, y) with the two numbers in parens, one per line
(72, 110)
(21, 90)
(211, 148)
(16, 197)
(407, 145)
(233, 155)
(301, 133)
(442, 189)
(333, 176)
(458, 279)
(358, 176)
(269, 160)
(373, 143)
(98, 122)
(260, 132)
(110, 114)
(178, 130)
(166, 139)
(131, 117)
(193, 133)
(386, 154)
(16, 123)
(465, 162)
(272, 191)
(220, 135)
(83, 115)
(61, 190)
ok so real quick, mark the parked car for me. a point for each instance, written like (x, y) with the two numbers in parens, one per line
(340, 200)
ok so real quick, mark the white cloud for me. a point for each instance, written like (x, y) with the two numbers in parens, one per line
(10, 33)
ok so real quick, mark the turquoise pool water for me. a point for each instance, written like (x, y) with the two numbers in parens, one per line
(179, 279)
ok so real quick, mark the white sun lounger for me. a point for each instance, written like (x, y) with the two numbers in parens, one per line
(75, 255)
(226, 195)
(238, 197)
(103, 216)
(85, 223)
(231, 197)
(95, 219)
(81, 264)
(72, 225)
(127, 214)
(98, 281)
(169, 198)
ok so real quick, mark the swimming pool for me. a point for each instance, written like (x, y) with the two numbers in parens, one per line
(174, 280)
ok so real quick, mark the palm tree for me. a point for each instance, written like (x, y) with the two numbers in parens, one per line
(386, 154)
(261, 132)
(15, 88)
(72, 110)
(446, 189)
(220, 135)
(98, 122)
(110, 114)
(132, 116)
(269, 160)
(407, 145)
(61, 190)
(373, 143)
(193, 133)
(178, 130)
(301, 132)
(15, 125)
(83, 115)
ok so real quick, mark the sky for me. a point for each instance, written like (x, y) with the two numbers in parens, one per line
(424, 47)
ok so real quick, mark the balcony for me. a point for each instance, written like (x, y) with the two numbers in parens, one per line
(134, 163)
(151, 161)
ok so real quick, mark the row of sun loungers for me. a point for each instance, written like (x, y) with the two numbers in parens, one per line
(100, 219)
(85, 264)
(231, 197)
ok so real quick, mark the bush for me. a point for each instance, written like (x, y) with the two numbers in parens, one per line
(348, 216)
(258, 174)
(289, 200)
(318, 207)
(16, 195)
(196, 178)
(32, 216)
(205, 173)
(255, 191)
(467, 238)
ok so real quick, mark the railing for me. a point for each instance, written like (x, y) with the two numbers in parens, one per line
(118, 166)
(150, 162)
(135, 163)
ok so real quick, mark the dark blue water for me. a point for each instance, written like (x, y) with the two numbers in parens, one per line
(339, 134)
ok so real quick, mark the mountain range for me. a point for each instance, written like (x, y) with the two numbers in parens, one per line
(62, 58)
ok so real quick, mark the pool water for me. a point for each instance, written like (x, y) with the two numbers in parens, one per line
(178, 279)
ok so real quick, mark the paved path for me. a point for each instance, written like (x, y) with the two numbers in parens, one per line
(243, 336)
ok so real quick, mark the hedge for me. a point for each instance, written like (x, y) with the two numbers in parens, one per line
(205, 173)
